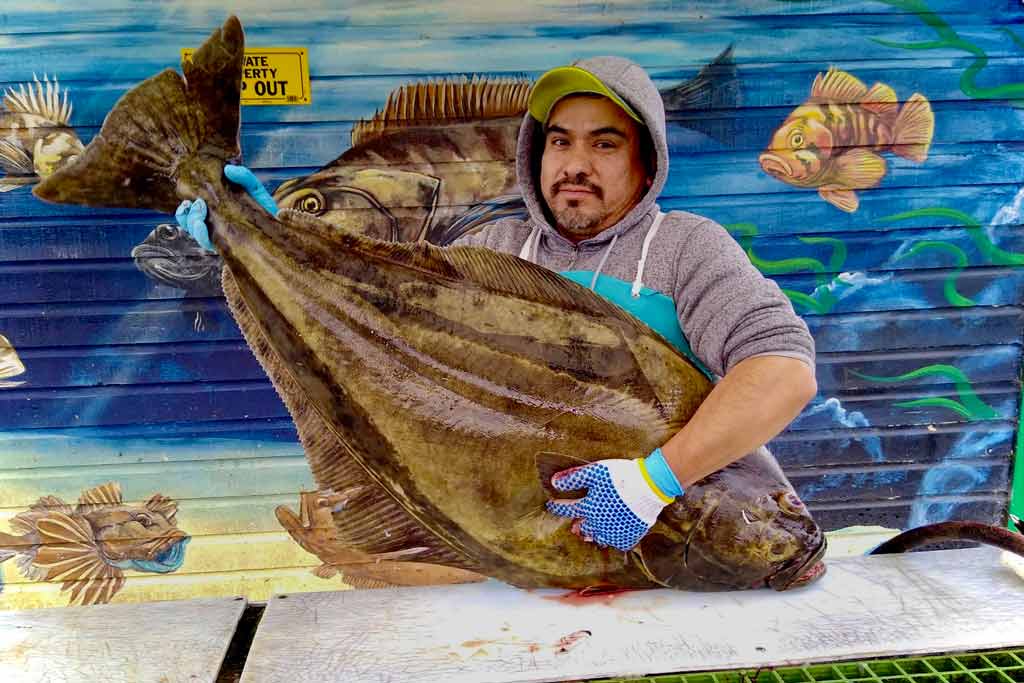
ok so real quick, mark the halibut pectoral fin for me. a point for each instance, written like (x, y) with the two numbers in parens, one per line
(549, 464)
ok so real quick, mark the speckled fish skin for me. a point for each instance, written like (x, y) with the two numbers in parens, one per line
(439, 383)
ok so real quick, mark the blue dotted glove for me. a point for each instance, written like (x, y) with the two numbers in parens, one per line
(623, 501)
(191, 216)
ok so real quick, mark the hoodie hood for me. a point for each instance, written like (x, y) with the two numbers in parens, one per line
(631, 83)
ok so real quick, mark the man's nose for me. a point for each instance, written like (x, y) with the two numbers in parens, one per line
(578, 163)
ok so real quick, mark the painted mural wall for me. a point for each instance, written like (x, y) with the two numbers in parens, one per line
(144, 454)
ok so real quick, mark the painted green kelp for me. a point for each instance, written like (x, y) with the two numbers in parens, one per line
(826, 280)
(969, 406)
(990, 253)
(949, 39)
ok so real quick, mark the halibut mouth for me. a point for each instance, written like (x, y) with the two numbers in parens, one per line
(800, 572)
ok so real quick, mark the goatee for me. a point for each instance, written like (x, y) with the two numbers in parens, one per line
(577, 221)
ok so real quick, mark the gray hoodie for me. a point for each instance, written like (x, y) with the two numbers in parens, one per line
(727, 310)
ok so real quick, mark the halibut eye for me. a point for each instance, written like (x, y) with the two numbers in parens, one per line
(791, 504)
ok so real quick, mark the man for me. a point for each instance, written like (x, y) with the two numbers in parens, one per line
(592, 159)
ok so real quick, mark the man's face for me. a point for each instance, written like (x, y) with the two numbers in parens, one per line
(592, 171)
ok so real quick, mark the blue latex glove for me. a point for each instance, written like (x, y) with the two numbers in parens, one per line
(191, 216)
(623, 501)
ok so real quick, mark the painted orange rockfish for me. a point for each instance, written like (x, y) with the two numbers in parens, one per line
(832, 141)
(88, 547)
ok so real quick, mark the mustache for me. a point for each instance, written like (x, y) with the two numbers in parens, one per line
(578, 181)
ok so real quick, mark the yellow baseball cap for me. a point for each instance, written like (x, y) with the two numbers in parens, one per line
(569, 80)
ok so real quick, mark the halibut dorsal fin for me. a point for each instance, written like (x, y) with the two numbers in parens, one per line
(494, 271)
(445, 101)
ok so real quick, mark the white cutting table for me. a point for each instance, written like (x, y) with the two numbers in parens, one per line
(166, 642)
(950, 600)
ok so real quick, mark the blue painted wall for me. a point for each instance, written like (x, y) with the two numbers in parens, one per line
(914, 299)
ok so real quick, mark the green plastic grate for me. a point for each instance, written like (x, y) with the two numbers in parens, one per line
(1000, 666)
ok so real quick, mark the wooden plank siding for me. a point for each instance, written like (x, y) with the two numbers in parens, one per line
(914, 299)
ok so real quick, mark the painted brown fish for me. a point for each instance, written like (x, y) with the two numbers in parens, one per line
(440, 147)
(36, 137)
(435, 162)
(89, 546)
(442, 386)
(10, 364)
(833, 140)
(170, 256)
(313, 529)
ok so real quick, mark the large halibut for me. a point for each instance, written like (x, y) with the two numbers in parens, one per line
(439, 387)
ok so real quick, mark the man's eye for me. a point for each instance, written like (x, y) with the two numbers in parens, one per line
(558, 142)
(604, 144)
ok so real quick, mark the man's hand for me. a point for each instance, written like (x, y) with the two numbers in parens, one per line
(624, 498)
(191, 216)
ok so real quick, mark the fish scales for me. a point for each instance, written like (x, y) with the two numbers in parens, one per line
(402, 386)
(437, 384)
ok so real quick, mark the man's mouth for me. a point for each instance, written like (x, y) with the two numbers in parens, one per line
(577, 191)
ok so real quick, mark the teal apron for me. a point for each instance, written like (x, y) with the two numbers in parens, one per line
(655, 309)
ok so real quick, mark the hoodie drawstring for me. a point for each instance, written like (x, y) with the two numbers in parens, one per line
(600, 266)
(638, 282)
(532, 243)
(529, 250)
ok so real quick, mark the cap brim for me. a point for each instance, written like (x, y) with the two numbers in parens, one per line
(569, 80)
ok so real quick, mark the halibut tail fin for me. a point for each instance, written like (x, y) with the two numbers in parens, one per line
(134, 160)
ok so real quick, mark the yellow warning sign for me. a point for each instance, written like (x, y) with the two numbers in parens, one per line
(272, 75)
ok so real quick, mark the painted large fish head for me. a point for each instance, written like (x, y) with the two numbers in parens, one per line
(145, 538)
(170, 256)
(800, 149)
(386, 204)
(732, 530)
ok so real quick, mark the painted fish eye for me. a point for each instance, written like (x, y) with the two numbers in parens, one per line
(310, 201)
(796, 140)
(166, 231)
